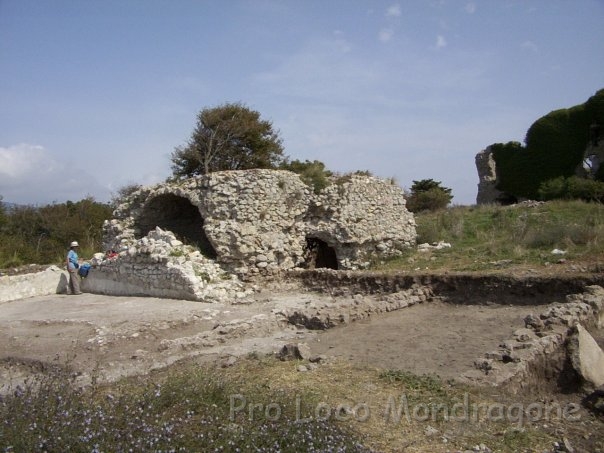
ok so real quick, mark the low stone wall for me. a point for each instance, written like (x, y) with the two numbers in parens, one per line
(536, 356)
(50, 281)
(321, 316)
(460, 288)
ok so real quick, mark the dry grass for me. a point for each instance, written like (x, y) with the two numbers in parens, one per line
(367, 400)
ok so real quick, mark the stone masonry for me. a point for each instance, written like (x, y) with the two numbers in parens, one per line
(487, 178)
(195, 239)
(537, 354)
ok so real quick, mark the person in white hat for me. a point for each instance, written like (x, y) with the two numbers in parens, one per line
(72, 266)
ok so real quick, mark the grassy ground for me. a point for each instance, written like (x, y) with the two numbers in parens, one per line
(494, 238)
(263, 404)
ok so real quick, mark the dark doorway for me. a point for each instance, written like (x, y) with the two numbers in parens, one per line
(320, 255)
(506, 199)
(180, 216)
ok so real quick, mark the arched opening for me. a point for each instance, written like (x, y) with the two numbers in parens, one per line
(319, 254)
(180, 216)
(506, 199)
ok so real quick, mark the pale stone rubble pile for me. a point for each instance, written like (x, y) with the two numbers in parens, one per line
(159, 265)
(256, 222)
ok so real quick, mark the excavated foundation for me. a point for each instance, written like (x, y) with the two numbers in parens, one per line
(534, 356)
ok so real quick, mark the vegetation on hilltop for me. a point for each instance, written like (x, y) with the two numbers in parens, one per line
(554, 147)
(490, 238)
(228, 137)
(41, 235)
(483, 237)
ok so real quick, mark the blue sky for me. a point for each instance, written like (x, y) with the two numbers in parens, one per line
(95, 95)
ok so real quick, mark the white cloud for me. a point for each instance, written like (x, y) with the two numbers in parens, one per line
(29, 174)
(530, 45)
(394, 11)
(441, 42)
(22, 159)
(385, 34)
(470, 7)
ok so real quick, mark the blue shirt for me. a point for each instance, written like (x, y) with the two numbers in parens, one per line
(72, 260)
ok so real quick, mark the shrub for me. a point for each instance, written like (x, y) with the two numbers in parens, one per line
(313, 174)
(190, 410)
(573, 188)
(428, 195)
(555, 144)
(430, 200)
(42, 234)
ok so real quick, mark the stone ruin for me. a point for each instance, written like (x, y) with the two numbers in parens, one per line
(198, 239)
(488, 178)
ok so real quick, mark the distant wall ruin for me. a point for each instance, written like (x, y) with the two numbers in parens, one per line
(487, 178)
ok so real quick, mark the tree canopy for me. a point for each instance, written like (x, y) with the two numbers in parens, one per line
(428, 195)
(41, 235)
(230, 136)
(554, 147)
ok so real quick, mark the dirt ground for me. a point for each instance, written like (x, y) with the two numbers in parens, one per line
(106, 337)
(432, 338)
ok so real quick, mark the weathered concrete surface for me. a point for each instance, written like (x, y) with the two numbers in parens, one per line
(50, 281)
(110, 337)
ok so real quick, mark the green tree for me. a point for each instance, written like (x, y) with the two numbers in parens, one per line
(428, 195)
(228, 137)
(42, 234)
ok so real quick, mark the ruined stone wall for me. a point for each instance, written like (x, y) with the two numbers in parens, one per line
(255, 219)
(49, 281)
(159, 265)
(259, 220)
(361, 217)
(254, 222)
(487, 178)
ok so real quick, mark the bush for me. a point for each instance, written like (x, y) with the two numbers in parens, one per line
(313, 174)
(573, 188)
(428, 195)
(432, 200)
(555, 144)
